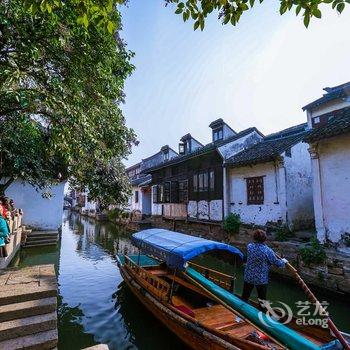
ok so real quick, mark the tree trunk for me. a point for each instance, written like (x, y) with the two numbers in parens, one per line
(4, 187)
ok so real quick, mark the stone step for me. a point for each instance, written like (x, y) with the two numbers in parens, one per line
(28, 308)
(40, 341)
(12, 295)
(28, 325)
(46, 233)
(40, 243)
(43, 237)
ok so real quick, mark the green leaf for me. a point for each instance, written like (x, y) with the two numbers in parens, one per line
(111, 27)
(196, 25)
(317, 13)
(227, 18)
(85, 20)
(298, 9)
(306, 20)
(340, 7)
(178, 11)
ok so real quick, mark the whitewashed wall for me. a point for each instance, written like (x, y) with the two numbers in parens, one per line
(205, 210)
(134, 205)
(227, 131)
(300, 206)
(39, 212)
(271, 210)
(334, 165)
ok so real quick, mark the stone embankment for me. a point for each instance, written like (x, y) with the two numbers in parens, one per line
(28, 308)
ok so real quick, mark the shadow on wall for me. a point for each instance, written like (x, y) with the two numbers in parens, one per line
(41, 213)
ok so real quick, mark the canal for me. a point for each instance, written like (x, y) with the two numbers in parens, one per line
(95, 306)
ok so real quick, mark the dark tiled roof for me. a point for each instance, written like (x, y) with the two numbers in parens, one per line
(332, 93)
(140, 180)
(205, 149)
(133, 167)
(336, 126)
(272, 146)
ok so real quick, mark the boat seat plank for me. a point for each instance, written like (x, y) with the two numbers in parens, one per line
(216, 316)
(241, 331)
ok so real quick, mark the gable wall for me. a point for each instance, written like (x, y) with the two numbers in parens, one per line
(334, 163)
(299, 187)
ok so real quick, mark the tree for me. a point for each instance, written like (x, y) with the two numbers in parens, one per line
(63, 83)
(23, 153)
(230, 11)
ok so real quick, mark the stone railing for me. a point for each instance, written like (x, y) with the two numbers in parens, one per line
(16, 229)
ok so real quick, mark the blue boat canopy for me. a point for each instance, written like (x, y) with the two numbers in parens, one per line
(177, 248)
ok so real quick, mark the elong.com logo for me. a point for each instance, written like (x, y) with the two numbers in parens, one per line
(307, 314)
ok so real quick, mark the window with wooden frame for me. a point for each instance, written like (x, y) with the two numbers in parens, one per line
(158, 194)
(166, 196)
(155, 194)
(174, 192)
(183, 191)
(255, 190)
(211, 180)
(218, 134)
(195, 183)
(203, 182)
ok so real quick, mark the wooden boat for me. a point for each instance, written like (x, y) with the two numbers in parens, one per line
(184, 297)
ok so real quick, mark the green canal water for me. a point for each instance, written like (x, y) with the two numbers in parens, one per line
(95, 306)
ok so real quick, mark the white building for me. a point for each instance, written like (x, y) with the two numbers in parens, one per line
(329, 119)
(141, 198)
(270, 182)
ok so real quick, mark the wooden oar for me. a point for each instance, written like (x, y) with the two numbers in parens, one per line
(312, 298)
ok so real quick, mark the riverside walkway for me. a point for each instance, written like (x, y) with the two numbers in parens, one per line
(28, 308)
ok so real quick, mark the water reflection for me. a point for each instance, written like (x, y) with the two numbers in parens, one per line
(95, 306)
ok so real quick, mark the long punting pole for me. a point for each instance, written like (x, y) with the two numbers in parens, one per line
(312, 298)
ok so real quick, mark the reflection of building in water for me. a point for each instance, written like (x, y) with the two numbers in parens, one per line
(124, 246)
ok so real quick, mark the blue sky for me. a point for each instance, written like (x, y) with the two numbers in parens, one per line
(259, 73)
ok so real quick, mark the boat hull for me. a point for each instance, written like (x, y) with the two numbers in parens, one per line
(192, 335)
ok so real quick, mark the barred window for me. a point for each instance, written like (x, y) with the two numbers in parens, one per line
(255, 190)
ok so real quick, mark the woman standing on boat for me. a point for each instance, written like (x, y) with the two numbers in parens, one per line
(258, 262)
